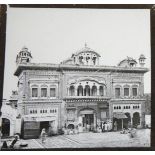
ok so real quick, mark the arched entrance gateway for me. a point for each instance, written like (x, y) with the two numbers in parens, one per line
(87, 119)
(5, 127)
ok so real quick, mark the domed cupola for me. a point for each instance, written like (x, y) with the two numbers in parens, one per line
(24, 56)
(128, 62)
(85, 56)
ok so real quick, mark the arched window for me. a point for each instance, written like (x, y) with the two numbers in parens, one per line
(134, 91)
(34, 92)
(94, 90)
(71, 91)
(101, 91)
(43, 92)
(80, 90)
(52, 92)
(126, 90)
(117, 92)
(87, 90)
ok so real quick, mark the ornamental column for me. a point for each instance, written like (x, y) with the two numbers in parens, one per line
(94, 121)
(75, 92)
(98, 91)
(131, 120)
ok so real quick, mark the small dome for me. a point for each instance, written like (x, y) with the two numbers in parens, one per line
(128, 62)
(24, 56)
(86, 49)
(142, 56)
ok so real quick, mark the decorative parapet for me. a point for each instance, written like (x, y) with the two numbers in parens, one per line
(86, 99)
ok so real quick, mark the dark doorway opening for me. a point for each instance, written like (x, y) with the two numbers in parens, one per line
(88, 121)
(136, 119)
(44, 125)
(117, 124)
(5, 127)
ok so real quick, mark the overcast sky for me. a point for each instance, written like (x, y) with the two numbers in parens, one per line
(52, 35)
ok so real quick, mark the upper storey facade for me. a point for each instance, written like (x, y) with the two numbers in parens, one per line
(78, 77)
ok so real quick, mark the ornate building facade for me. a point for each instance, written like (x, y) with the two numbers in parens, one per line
(79, 92)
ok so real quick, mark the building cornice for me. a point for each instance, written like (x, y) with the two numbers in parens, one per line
(64, 67)
(128, 99)
(39, 101)
(86, 99)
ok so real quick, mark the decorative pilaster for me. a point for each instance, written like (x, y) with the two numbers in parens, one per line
(98, 92)
(94, 121)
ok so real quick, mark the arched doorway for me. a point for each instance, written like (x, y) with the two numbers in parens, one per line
(87, 119)
(136, 119)
(127, 121)
(5, 127)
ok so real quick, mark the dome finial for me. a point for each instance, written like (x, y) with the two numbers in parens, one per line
(85, 44)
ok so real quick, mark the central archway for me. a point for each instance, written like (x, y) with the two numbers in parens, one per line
(87, 117)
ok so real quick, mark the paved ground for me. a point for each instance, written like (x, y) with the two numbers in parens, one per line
(91, 140)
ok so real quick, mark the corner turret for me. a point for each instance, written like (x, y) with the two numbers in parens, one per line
(24, 56)
(142, 60)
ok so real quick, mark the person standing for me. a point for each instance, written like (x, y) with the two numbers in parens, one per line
(103, 126)
(43, 135)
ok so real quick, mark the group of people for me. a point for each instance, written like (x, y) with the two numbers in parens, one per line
(104, 126)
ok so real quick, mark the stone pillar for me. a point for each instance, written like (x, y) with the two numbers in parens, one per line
(48, 92)
(104, 90)
(131, 115)
(83, 91)
(140, 115)
(75, 91)
(98, 91)
(39, 92)
(94, 121)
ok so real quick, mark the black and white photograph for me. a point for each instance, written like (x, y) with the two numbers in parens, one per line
(76, 78)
